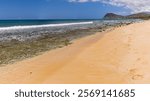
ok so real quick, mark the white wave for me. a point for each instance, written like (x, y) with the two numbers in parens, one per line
(41, 26)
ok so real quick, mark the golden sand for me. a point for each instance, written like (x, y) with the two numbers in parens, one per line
(119, 56)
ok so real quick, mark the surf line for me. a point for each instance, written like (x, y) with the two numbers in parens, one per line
(41, 26)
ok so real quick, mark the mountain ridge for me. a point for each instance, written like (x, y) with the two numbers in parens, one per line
(142, 15)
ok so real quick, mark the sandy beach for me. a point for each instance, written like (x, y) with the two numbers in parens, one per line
(120, 56)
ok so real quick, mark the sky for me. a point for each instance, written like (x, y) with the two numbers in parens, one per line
(69, 9)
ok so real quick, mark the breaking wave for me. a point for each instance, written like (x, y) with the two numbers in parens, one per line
(42, 26)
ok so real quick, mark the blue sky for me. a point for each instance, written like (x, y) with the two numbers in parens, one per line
(61, 9)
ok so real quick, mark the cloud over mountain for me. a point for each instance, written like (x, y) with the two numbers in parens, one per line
(134, 5)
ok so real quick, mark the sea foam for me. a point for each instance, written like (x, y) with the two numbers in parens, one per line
(41, 26)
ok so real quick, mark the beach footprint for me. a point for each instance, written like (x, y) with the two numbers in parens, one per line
(135, 75)
(138, 59)
(31, 73)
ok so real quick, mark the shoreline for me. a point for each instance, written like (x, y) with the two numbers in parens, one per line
(16, 50)
(114, 58)
(22, 71)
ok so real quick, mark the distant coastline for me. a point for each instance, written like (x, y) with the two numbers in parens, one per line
(142, 15)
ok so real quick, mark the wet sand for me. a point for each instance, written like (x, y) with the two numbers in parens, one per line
(120, 56)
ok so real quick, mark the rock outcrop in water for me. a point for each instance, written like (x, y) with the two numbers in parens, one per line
(112, 16)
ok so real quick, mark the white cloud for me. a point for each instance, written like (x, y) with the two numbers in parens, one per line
(134, 5)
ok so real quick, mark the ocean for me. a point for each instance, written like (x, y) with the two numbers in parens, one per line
(8, 23)
(28, 29)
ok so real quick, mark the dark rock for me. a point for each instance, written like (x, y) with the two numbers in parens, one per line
(113, 16)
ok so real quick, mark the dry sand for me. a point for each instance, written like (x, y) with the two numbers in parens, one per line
(119, 56)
